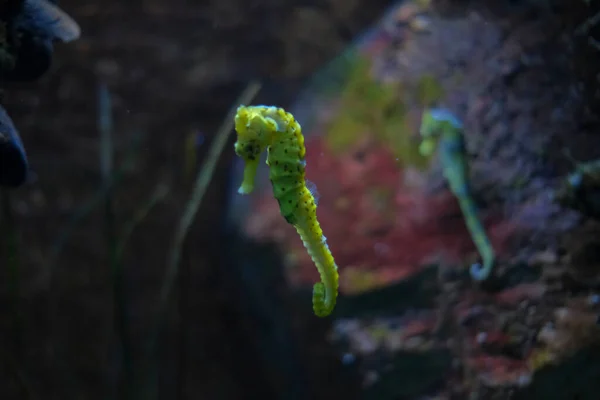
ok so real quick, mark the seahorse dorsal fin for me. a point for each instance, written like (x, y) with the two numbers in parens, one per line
(312, 188)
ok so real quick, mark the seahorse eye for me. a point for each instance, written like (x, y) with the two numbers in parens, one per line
(241, 150)
(236, 148)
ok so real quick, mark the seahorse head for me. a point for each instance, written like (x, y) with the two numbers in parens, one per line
(429, 131)
(435, 118)
(435, 123)
(254, 133)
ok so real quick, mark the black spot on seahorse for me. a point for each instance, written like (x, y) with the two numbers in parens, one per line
(290, 218)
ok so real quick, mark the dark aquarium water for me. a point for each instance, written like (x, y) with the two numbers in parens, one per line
(383, 200)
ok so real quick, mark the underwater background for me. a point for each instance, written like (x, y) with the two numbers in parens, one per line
(131, 267)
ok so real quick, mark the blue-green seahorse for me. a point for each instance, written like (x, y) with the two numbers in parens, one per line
(441, 127)
(272, 128)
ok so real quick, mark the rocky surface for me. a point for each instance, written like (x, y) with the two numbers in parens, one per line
(512, 73)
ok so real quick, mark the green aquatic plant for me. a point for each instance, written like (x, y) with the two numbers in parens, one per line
(429, 90)
(365, 106)
(370, 107)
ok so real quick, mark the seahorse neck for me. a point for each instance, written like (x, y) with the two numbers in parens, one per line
(277, 136)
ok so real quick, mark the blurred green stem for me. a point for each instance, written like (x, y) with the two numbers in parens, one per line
(159, 194)
(203, 178)
(86, 209)
(105, 127)
(189, 167)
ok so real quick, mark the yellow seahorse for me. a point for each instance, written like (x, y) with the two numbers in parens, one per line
(272, 128)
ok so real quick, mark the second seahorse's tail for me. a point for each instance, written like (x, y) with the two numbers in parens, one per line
(478, 272)
(324, 292)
